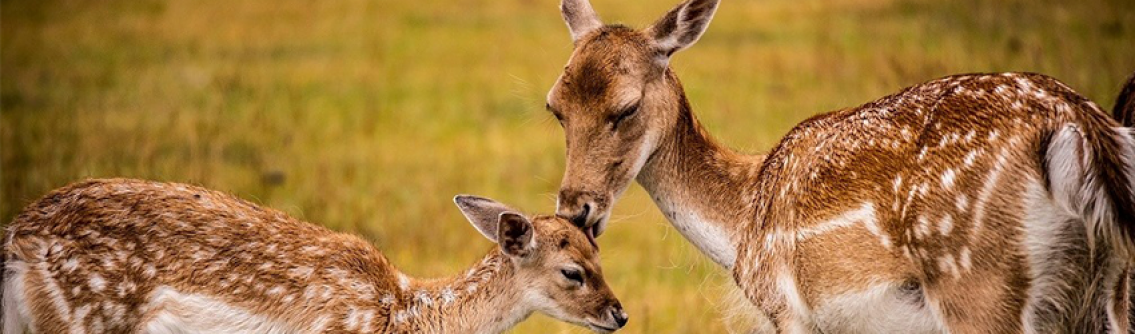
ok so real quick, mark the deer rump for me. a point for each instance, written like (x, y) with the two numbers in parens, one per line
(1089, 167)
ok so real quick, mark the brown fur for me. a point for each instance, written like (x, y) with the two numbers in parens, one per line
(108, 247)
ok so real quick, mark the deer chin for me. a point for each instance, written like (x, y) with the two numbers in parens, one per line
(600, 328)
(599, 227)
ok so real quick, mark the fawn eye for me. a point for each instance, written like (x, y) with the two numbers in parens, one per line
(573, 275)
(623, 115)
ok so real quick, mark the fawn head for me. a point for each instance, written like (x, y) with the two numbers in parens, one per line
(615, 100)
(557, 263)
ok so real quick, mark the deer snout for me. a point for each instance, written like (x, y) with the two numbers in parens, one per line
(610, 319)
(619, 315)
(583, 209)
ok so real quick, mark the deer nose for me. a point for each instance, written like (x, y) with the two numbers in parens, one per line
(576, 206)
(619, 315)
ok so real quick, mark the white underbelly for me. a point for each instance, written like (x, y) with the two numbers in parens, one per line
(879, 309)
(182, 313)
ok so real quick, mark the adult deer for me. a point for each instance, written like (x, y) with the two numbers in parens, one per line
(985, 203)
(128, 256)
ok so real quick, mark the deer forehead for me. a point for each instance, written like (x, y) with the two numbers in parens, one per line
(556, 235)
(606, 69)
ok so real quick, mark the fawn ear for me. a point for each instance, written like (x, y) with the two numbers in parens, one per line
(580, 18)
(483, 213)
(682, 26)
(515, 234)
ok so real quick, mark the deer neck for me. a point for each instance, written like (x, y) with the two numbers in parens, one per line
(705, 190)
(483, 299)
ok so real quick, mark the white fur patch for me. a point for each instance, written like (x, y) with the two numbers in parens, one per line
(62, 308)
(865, 214)
(184, 313)
(16, 316)
(987, 189)
(1044, 222)
(880, 308)
(1069, 160)
(704, 234)
(786, 283)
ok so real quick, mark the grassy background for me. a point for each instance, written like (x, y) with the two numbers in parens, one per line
(369, 116)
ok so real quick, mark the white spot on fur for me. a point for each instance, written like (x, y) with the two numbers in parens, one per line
(97, 283)
(946, 264)
(301, 272)
(448, 296)
(70, 265)
(320, 324)
(351, 321)
(948, 178)
(970, 158)
(964, 259)
(403, 282)
(423, 298)
(946, 225)
(962, 202)
(923, 229)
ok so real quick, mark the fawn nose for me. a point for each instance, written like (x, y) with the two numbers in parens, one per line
(619, 315)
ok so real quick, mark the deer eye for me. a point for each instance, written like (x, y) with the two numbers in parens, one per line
(623, 115)
(573, 275)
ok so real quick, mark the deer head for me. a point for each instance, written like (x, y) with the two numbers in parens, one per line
(616, 100)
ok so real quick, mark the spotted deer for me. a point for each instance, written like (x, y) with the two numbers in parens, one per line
(980, 203)
(129, 256)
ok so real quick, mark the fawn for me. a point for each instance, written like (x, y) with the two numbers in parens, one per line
(131, 256)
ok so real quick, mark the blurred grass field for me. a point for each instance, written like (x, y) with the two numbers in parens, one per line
(369, 116)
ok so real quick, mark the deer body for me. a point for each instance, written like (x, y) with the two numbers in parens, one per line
(984, 203)
(129, 256)
(951, 198)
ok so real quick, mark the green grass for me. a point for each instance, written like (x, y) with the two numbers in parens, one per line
(369, 116)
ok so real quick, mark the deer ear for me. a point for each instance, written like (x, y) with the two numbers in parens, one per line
(515, 234)
(580, 18)
(682, 26)
(482, 212)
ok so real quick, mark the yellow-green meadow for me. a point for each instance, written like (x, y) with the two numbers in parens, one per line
(369, 116)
